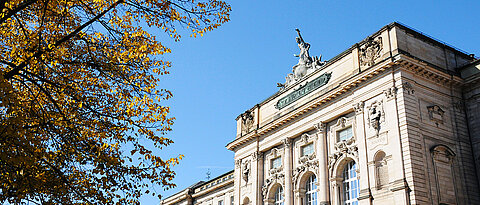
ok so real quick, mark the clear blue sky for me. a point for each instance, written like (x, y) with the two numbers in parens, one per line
(216, 77)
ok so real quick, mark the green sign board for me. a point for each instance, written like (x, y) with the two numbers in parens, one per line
(303, 90)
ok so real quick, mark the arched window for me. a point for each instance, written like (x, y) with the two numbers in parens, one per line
(279, 196)
(311, 191)
(350, 184)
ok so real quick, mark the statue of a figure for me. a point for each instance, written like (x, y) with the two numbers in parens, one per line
(304, 61)
(304, 56)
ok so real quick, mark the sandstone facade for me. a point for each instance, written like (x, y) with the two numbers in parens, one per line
(395, 119)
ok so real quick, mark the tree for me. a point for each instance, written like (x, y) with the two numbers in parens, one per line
(81, 114)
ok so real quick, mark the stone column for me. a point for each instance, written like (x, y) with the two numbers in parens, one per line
(322, 164)
(288, 171)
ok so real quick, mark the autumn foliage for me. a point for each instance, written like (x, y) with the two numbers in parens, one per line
(81, 114)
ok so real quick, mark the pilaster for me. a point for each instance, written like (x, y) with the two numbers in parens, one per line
(364, 195)
(288, 171)
(322, 164)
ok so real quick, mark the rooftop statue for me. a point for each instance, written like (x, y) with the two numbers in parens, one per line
(305, 65)
(305, 58)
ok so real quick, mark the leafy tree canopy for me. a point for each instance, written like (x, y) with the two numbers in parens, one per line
(81, 115)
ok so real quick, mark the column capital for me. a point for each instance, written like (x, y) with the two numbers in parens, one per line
(238, 163)
(257, 156)
(358, 107)
(287, 142)
(320, 126)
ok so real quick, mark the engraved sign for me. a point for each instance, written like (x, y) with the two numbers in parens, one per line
(382, 139)
(303, 90)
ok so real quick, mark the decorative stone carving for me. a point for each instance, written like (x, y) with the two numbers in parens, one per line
(276, 175)
(390, 93)
(343, 148)
(358, 107)
(376, 115)
(287, 142)
(370, 52)
(435, 113)
(247, 121)
(257, 156)
(443, 154)
(238, 163)
(320, 127)
(246, 170)
(305, 162)
(305, 65)
(408, 88)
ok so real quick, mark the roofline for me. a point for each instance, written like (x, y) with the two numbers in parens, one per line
(409, 29)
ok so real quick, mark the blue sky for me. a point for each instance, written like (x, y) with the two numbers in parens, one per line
(216, 77)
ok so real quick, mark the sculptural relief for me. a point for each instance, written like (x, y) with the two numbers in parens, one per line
(306, 64)
(371, 51)
(246, 170)
(247, 121)
(376, 115)
(435, 113)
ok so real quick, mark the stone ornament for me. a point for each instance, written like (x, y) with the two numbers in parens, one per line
(320, 127)
(246, 170)
(305, 65)
(287, 142)
(376, 115)
(257, 156)
(305, 162)
(247, 121)
(435, 113)
(238, 163)
(358, 107)
(408, 88)
(342, 149)
(370, 52)
(390, 93)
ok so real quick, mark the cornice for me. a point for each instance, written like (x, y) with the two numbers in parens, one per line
(426, 71)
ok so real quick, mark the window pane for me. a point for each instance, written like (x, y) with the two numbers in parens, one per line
(307, 149)
(279, 196)
(311, 191)
(350, 184)
(345, 134)
(277, 162)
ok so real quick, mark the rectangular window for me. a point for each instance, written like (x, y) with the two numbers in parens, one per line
(307, 149)
(277, 162)
(345, 134)
(231, 201)
(220, 202)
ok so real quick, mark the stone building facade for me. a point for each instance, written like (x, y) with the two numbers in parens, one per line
(395, 119)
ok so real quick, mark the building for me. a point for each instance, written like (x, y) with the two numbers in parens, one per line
(395, 119)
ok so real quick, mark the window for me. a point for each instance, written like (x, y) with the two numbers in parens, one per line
(350, 184)
(220, 202)
(277, 162)
(345, 134)
(231, 200)
(279, 196)
(311, 191)
(307, 149)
